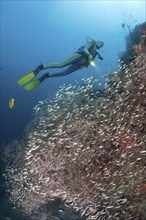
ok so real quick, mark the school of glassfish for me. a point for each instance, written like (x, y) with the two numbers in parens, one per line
(87, 148)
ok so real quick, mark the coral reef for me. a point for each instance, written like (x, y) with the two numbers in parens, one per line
(86, 151)
(135, 43)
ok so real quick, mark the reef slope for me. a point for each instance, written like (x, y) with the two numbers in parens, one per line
(86, 150)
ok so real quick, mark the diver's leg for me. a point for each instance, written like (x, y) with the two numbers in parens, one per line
(75, 58)
(37, 82)
(69, 70)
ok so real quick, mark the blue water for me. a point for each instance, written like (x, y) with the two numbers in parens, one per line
(51, 31)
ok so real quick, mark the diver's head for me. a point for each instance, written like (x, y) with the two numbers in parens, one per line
(99, 44)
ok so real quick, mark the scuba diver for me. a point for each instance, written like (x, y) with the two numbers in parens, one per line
(83, 57)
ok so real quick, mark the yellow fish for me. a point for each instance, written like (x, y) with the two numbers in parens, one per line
(11, 103)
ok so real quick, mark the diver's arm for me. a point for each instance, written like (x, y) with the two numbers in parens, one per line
(99, 56)
(86, 50)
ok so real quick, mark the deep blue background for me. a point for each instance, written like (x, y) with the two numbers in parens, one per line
(50, 31)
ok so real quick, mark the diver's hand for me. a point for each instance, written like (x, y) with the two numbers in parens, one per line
(99, 57)
(90, 57)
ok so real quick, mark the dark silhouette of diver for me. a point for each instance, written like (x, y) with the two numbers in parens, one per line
(80, 59)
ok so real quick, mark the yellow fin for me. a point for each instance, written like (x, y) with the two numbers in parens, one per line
(32, 85)
(25, 79)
